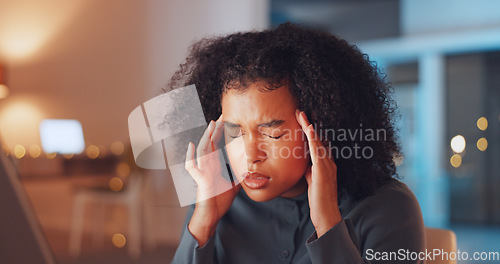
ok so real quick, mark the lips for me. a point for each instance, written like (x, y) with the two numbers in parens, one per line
(255, 180)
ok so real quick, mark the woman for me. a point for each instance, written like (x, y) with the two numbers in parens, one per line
(305, 118)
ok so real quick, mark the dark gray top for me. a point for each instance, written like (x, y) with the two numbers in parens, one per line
(280, 231)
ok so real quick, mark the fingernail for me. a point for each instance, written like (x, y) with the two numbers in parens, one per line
(303, 114)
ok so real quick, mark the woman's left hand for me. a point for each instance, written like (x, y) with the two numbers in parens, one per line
(321, 178)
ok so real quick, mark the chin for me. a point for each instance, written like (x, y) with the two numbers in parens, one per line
(259, 195)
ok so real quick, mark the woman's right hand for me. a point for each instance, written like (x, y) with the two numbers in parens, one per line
(215, 194)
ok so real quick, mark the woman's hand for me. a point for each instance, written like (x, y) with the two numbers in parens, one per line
(321, 178)
(215, 194)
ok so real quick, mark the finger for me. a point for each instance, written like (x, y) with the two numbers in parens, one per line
(204, 146)
(190, 165)
(303, 121)
(306, 125)
(217, 132)
(316, 147)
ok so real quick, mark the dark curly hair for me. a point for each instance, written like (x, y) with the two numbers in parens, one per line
(332, 81)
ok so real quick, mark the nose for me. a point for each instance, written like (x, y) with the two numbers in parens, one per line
(255, 149)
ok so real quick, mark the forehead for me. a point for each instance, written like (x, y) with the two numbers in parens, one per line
(257, 104)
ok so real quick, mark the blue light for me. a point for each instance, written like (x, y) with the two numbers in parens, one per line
(64, 136)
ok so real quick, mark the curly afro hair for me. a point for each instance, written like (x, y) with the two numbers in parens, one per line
(332, 81)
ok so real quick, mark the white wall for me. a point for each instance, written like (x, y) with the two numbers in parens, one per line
(84, 60)
(174, 25)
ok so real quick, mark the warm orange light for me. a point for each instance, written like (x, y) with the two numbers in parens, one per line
(482, 144)
(19, 119)
(117, 148)
(92, 152)
(116, 184)
(35, 151)
(19, 151)
(51, 155)
(68, 155)
(119, 240)
(456, 160)
(26, 26)
(122, 169)
(482, 123)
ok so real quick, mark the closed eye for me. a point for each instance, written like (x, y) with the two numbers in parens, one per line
(241, 134)
(237, 136)
(273, 137)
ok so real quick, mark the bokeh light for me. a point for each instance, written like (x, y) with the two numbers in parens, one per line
(117, 148)
(68, 155)
(35, 151)
(116, 184)
(51, 155)
(92, 152)
(19, 151)
(458, 143)
(119, 240)
(122, 169)
(456, 160)
(482, 144)
(482, 123)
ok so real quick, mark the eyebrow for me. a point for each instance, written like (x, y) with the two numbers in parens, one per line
(270, 124)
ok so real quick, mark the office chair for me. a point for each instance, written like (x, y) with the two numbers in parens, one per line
(441, 239)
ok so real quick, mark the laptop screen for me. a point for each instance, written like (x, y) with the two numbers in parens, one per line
(21, 238)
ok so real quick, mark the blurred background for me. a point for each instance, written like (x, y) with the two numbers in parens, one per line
(80, 67)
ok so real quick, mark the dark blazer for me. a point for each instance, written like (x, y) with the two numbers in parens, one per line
(386, 227)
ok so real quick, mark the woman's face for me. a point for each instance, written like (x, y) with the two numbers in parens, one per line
(264, 142)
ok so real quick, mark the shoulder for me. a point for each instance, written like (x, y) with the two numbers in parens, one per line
(394, 197)
(392, 205)
(391, 215)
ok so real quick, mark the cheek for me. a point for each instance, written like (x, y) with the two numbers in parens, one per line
(297, 161)
(236, 154)
(290, 151)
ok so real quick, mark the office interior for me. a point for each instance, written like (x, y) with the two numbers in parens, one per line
(90, 63)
